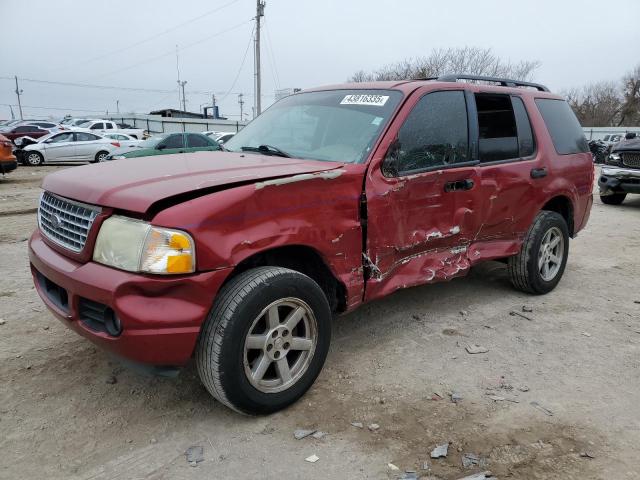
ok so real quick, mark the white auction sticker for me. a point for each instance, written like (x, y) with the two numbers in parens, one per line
(373, 100)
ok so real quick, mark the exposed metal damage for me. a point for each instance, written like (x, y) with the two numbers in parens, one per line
(325, 175)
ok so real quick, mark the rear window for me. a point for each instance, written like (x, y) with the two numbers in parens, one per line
(563, 126)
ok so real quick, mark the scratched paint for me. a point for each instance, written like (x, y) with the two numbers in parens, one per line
(328, 175)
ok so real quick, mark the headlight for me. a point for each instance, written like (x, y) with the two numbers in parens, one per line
(137, 246)
(613, 159)
(116, 157)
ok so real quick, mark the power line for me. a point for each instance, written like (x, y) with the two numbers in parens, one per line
(152, 37)
(53, 108)
(271, 57)
(244, 58)
(112, 87)
(172, 52)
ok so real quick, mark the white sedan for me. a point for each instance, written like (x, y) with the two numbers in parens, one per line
(125, 141)
(220, 137)
(68, 147)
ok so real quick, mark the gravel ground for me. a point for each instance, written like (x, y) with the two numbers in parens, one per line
(69, 411)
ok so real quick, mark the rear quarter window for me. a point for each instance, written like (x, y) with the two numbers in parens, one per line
(564, 128)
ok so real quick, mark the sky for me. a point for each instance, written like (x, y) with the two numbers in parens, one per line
(130, 46)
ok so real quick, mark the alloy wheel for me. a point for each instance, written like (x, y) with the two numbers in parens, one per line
(279, 345)
(551, 254)
(33, 159)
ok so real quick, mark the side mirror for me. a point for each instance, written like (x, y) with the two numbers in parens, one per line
(391, 162)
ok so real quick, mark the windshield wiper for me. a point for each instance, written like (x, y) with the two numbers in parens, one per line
(266, 150)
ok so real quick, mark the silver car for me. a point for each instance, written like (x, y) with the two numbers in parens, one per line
(68, 147)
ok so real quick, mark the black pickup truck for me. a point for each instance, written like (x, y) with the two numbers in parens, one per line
(621, 173)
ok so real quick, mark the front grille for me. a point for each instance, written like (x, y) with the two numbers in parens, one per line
(631, 159)
(66, 222)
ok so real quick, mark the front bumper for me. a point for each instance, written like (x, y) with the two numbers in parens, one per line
(160, 316)
(619, 180)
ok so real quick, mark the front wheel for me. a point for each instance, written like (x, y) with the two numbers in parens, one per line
(265, 340)
(542, 259)
(613, 199)
(34, 159)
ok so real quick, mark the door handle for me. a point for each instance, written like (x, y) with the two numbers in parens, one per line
(539, 172)
(466, 184)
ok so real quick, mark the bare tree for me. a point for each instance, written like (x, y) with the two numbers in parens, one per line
(597, 104)
(630, 109)
(468, 60)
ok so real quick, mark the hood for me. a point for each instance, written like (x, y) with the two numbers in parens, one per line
(136, 184)
(633, 144)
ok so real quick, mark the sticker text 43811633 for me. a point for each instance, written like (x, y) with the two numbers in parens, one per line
(373, 100)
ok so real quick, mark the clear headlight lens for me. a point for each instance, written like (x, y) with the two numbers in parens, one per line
(137, 246)
(117, 157)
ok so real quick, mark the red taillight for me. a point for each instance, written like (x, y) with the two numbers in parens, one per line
(116, 144)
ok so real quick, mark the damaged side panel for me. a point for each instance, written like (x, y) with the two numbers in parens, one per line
(319, 211)
(418, 230)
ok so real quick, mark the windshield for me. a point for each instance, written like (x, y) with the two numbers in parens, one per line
(332, 125)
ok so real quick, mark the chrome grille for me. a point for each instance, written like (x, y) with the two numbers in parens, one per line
(631, 159)
(66, 222)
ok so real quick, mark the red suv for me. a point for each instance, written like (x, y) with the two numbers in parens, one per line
(331, 198)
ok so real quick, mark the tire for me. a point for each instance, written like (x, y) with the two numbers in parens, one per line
(225, 358)
(33, 159)
(525, 269)
(101, 157)
(613, 199)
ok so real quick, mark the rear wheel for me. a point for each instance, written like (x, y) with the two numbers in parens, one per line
(101, 157)
(542, 259)
(613, 199)
(33, 159)
(265, 340)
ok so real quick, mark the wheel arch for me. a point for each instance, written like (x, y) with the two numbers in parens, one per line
(562, 205)
(303, 259)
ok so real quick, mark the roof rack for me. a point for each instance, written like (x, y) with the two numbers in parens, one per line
(504, 82)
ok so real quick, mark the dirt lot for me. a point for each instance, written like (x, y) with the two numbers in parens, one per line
(577, 356)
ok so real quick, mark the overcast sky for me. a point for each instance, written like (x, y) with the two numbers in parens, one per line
(132, 44)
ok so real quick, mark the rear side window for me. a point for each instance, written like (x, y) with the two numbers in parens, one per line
(435, 134)
(86, 137)
(196, 141)
(563, 126)
(498, 134)
(526, 144)
(97, 126)
(173, 141)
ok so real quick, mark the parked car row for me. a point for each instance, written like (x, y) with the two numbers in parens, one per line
(69, 146)
(34, 142)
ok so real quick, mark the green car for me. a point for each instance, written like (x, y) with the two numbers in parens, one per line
(166, 144)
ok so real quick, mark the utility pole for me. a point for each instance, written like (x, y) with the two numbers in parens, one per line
(260, 4)
(178, 72)
(118, 106)
(241, 103)
(18, 93)
(184, 100)
(213, 106)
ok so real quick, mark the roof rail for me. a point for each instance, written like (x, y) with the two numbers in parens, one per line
(505, 82)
